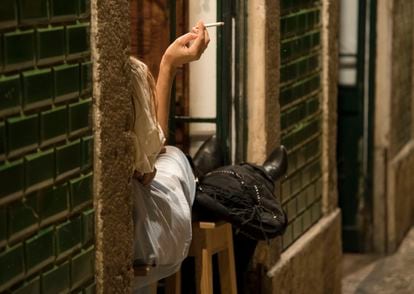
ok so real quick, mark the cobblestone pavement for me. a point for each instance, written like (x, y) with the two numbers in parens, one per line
(368, 274)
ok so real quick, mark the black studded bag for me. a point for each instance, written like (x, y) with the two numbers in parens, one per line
(242, 195)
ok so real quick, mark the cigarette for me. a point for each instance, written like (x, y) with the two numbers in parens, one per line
(214, 24)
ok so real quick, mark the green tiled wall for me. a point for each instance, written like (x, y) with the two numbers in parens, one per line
(300, 95)
(46, 212)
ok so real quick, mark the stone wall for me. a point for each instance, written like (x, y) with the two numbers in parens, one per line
(393, 125)
(304, 119)
(46, 143)
(312, 264)
(113, 147)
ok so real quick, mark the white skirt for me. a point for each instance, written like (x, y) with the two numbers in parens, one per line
(162, 216)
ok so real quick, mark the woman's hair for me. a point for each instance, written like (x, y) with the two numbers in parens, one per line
(152, 88)
(150, 85)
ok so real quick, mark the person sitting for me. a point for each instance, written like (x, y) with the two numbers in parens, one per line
(166, 192)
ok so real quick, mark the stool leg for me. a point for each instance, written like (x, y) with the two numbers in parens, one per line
(204, 273)
(153, 288)
(173, 283)
(227, 267)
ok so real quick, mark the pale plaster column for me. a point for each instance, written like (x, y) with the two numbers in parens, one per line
(393, 163)
(110, 38)
(330, 39)
(263, 61)
(382, 120)
(263, 67)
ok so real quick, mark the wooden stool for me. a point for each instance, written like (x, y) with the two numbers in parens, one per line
(208, 239)
(143, 270)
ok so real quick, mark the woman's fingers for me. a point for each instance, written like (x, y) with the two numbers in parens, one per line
(185, 39)
(206, 38)
(199, 45)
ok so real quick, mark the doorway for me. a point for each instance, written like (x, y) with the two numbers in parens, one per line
(206, 99)
(355, 122)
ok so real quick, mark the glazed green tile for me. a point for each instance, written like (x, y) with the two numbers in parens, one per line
(318, 188)
(301, 201)
(63, 10)
(288, 236)
(286, 96)
(296, 183)
(86, 78)
(315, 170)
(313, 105)
(311, 194)
(306, 176)
(39, 170)
(37, 88)
(23, 217)
(285, 5)
(68, 159)
(316, 39)
(3, 226)
(285, 190)
(57, 280)
(292, 162)
(53, 204)
(301, 160)
(33, 11)
(50, 45)
(292, 24)
(284, 72)
(283, 26)
(31, 287)
(10, 94)
(283, 121)
(81, 191)
(77, 37)
(12, 266)
(39, 250)
(88, 226)
(83, 267)
(84, 8)
(297, 227)
(68, 236)
(66, 82)
(87, 152)
(307, 219)
(22, 133)
(291, 209)
(53, 125)
(316, 211)
(18, 50)
(302, 22)
(91, 289)
(79, 116)
(2, 140)
(11, 180)
(1, 53)
(8, 15)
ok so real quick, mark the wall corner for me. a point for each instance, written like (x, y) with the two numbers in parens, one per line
(110, 38)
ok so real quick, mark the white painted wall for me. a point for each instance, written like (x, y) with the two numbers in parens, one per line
(203, 74)
(348, 40)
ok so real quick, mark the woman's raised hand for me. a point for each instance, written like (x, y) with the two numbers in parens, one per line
(187, 48)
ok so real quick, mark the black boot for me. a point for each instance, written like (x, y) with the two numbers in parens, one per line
(276, 164)
(208, 157)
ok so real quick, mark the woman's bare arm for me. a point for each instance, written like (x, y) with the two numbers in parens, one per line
(177, 54)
